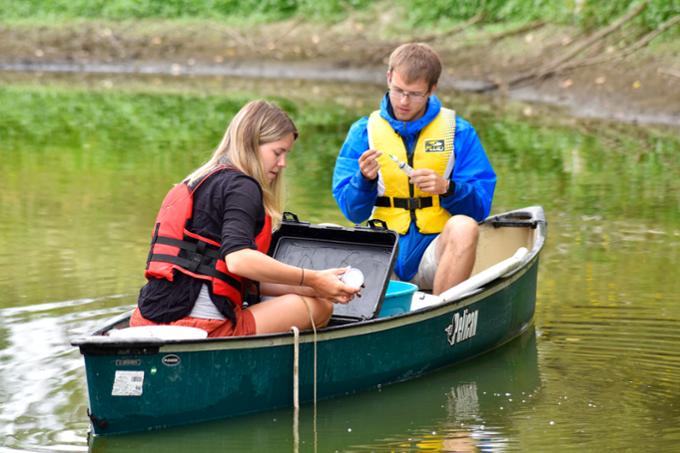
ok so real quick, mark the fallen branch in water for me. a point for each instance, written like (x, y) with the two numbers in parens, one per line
(557, 64)
(637, 45)
(453, 31)
(650, 36)
(516, 31)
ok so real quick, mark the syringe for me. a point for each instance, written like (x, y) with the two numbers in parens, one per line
(403, 166)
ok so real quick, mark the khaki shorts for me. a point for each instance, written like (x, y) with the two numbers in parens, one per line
(424, 278)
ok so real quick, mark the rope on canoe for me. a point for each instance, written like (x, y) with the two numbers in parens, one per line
(311, 318)
(296, 380)
(296, 388)
(296, 368)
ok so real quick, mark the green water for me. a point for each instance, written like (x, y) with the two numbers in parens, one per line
(85, 162)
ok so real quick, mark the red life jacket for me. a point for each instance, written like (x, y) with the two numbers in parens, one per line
(174, 247)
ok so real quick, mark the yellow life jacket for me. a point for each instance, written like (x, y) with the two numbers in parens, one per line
(399, 201)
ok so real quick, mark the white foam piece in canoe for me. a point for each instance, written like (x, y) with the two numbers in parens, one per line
(160, 332)
(422, 300)
(473, 283)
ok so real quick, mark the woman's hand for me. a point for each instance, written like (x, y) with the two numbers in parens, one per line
(282, 278)
(327, 285)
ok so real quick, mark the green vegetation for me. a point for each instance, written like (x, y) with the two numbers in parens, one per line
(84, 169)
(128, 131)
(172, 9)
(79, 118)
(594, 169)
(587, 14)
(98, 162)
(49, 117)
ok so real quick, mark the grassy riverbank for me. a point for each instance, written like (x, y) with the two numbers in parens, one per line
(585, 14)
(618, 59)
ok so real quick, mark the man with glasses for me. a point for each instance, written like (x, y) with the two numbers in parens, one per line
(420, 168)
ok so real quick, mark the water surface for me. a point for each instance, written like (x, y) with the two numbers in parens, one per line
(85, 162)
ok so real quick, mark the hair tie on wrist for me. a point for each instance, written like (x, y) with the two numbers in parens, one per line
(302, 276)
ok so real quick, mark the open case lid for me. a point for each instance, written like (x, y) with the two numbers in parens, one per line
(371, 249)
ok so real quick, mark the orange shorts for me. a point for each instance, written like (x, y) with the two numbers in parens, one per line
(245, 324)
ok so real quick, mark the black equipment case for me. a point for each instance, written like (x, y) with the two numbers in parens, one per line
(371, 249)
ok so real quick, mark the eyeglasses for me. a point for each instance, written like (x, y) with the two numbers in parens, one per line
(401, 94)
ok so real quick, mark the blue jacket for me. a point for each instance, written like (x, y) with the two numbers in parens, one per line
(473, 176)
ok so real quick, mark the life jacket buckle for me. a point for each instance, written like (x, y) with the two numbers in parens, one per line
(195, 261)
(413, 203)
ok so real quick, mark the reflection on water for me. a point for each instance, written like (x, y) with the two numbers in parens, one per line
(42, 377)
(451, 407)
(82, 173)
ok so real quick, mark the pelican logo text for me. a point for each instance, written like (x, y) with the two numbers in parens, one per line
(462, 327)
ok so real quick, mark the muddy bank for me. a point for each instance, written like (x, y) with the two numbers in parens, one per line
(644, 87)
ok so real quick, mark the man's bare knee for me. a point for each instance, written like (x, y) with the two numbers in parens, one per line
(456, 257)
(461, 231)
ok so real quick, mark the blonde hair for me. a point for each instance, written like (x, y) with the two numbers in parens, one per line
(416, 61)
(257, 123)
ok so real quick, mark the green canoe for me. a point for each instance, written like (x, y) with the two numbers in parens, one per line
(138, 384)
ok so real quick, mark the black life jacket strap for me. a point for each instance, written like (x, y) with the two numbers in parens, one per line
(410, 204)
(191, 246)
(195, 263)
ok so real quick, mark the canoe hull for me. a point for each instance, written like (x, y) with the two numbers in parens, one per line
(150, 385)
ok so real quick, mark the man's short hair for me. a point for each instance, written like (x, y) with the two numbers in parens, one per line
(416, 61)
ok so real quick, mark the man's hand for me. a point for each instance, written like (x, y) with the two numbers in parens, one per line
(429, 181)
(368, 164)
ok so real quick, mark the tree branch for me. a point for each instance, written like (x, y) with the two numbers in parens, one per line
(557, 64)
(598, 36)
(453, 31)
(516, 31)
(639, 44)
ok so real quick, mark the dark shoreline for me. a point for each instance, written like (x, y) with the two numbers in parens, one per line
(591, 108)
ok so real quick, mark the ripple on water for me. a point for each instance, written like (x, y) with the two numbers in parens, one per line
(41, 375)
(615, 363)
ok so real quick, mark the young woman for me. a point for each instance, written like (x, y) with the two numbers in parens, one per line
(211, 237)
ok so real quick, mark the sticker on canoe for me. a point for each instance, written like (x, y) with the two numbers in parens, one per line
(462, 327)
(128, 383)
